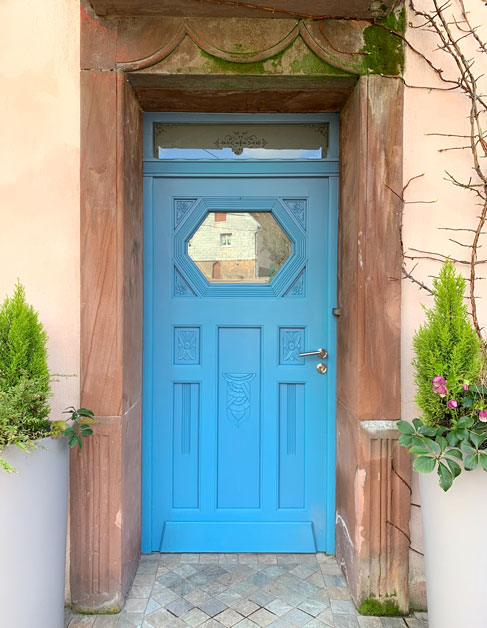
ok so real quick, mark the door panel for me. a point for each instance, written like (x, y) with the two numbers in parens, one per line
(239, 280)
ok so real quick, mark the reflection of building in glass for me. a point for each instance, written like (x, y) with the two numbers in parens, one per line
(243, 246)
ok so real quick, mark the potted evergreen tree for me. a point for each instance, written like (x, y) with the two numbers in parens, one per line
(451, 438)
(34, 473)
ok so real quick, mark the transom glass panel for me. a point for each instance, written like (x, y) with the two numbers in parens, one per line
(239, 247)
(240, 141)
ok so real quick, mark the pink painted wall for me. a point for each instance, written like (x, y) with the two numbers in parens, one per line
(433, 111)
(39, 173)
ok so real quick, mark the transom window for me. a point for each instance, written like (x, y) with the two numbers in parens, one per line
(240, 141)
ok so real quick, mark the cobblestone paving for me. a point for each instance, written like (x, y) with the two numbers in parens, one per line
(241, 591)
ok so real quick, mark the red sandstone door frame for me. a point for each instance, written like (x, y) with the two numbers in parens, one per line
(105, 476)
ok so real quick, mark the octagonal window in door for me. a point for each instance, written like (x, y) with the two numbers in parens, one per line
(239, 247)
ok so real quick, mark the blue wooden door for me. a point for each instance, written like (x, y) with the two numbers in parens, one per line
(238, 427)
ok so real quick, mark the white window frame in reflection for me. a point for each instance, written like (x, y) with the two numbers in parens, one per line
(225, 239)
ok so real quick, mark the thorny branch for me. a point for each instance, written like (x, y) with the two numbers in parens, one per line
(450, 23)
(453, 29)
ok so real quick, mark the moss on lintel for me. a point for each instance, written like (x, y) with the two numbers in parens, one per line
(307, 64)
(385, 50)
(382, 53)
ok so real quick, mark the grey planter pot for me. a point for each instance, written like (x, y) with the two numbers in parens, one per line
(455, 550)
(33, 522)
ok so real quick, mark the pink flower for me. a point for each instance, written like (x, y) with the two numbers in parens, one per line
(483, 416)
(452, 404)
(439, 386)
(465, 386)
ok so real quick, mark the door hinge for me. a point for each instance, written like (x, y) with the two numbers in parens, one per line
(337, 311)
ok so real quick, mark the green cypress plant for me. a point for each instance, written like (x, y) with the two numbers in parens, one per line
(24, 375)
(25, 383)
(452, 430)
(446, 345)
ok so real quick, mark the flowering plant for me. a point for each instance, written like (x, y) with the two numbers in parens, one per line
(461, 438)
(452, 430)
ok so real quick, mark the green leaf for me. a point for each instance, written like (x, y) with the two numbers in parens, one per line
(483, 460)
(454, 467)
(442, 442)
(466, 447)
(424, 464)
(427, 430)
(452, 438)
(469, 421)
(477, 439)
(418, 441)
(446, 477)
(419, 451)
(85, 412)
(462, 422)
(72, 441)
(418, 423)
(471, 462)
(429, 443)
(87, 431)
(456, 453)
(405, 440)
(468, 402)
(405, 428)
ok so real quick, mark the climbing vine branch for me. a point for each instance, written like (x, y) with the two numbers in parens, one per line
(461, 41)
(450, 24)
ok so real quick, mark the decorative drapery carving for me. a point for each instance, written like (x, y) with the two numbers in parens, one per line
(314, 38)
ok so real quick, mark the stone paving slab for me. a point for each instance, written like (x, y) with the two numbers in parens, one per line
(239, 591)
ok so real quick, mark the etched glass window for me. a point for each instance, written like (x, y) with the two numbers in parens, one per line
(239, 247)
(240, 141)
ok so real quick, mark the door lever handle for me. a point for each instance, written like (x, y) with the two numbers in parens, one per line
(321, 353)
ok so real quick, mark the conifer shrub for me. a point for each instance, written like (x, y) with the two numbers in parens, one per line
(25, 383)
(446, 345)
(451, 434)
(24, 375)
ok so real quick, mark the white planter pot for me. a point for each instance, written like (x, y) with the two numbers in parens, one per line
(454, 528)
(33, 520)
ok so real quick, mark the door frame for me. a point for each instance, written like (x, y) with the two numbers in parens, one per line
(372, 471)
(302, 168)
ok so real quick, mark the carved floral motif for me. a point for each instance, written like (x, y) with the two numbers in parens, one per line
(181, 208)
(239, 396)
(298, 209)
(238, 140)
(181, 288)
(291, 346)
(187, 346)
(297, 288)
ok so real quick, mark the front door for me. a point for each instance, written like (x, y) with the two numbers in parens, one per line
(238, 425)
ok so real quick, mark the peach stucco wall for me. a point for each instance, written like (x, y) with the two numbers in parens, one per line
(39, 173)
(428, 111)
